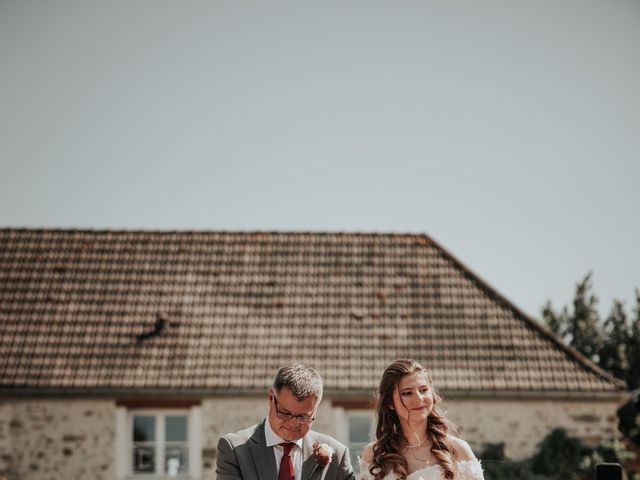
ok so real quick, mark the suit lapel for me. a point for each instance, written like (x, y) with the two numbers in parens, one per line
(310, 467)
(262, 455)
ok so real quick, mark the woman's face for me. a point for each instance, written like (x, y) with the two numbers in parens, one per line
(413, 398)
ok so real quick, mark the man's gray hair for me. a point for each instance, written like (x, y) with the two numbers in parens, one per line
(303, 381)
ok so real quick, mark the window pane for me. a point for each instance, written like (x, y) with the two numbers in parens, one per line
(355, 450)
(360, 434)
(143, 459)
(177, 459)
(176, 428)
(359, 428)
(144, 428)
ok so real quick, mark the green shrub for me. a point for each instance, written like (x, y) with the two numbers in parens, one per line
(559, 457)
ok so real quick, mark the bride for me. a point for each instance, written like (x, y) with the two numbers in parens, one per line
(412, 442)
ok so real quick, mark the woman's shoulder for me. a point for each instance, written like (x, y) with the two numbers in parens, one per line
(365, 463)
(367, 453)
(467, 465)
(461, 450)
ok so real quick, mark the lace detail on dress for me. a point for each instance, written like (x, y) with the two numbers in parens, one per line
(466, 470)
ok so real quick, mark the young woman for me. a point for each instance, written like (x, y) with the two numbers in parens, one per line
(412, 442)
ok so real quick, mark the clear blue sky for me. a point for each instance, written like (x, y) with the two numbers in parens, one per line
(508, 131)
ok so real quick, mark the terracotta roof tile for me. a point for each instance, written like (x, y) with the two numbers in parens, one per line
(217, 310)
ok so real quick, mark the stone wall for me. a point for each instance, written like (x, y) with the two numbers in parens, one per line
(522, 424)
(57, 439)
(224, 415)
(75, 439)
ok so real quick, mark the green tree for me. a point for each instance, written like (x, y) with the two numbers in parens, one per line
(581, 327)
(633, 348)
(614, 346)
(613, 355)
(556, 322)
(584, 322)
(629, 413)
(629, 418)
(559, 456)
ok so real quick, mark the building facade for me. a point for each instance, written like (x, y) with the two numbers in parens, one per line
(128, 353)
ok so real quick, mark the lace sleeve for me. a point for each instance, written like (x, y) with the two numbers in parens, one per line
(364, 474)
(470, 470)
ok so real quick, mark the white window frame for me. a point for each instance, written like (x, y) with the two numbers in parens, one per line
(355, 448)
(124, 441)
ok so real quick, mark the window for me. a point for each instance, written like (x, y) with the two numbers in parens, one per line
(361, 433)
(159, 443)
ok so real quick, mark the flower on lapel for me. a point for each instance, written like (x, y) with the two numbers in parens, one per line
(322, 454)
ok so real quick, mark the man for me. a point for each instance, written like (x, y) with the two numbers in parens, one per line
(283, 446)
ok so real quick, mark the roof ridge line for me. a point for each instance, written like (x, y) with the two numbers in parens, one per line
(100, 230)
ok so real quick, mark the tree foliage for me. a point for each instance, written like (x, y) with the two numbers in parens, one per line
(613, 344)
(633, 348)
(559, 457)
(613, 353)
(556, 322)
(581, 326)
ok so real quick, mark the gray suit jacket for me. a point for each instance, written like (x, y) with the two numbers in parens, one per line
(244, 455)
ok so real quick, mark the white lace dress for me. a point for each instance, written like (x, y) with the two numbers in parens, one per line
(465, 470)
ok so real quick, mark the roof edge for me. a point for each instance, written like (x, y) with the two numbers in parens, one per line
(359, 394)
(372, 233)
(543, 330)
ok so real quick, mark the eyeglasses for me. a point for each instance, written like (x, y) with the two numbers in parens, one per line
(287, 416)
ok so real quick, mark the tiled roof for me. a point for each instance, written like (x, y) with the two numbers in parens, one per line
(218, 311)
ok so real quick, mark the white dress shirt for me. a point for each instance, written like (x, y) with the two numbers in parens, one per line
(296, 452)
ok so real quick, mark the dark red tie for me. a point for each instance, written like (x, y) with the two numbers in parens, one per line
(286, 464)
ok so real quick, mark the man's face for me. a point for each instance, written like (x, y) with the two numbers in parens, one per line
(290, 429)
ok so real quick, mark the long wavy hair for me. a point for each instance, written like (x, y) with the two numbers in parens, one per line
(389, 438)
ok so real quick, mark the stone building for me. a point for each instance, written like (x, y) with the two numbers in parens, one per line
(126, 354)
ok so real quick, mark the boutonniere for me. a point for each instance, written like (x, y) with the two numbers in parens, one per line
(322, 454)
